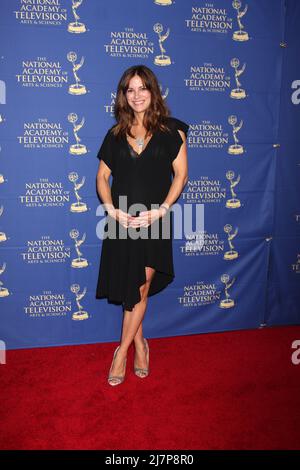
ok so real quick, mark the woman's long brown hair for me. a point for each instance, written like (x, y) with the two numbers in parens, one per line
(155, 116)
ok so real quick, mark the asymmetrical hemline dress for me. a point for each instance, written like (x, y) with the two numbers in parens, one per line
(143, 178)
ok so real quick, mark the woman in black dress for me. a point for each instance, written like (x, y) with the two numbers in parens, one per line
(145, 151)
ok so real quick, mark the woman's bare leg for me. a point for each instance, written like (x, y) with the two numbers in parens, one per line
(139, 337)
(132, 326)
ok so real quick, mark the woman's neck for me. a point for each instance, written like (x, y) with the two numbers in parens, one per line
(138, 119)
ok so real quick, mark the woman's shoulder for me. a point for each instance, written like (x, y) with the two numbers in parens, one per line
(110, 130)
(110, 135)
(175, 123)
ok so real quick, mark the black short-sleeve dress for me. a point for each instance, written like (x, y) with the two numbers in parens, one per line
(143, 178)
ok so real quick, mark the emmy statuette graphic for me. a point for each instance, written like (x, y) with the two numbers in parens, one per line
(78, 262)
(3, 237)
(240, 35)
(231, 254)
(235, 149)
(77, 206)
(76, 88)
(80, 314)
(76, 27)
(165, 94)
(228, 302)
(162, 59)
(1, 176)
(233, 203)
(163, 3)
(76, 149)
(4, 292)
(237, 93)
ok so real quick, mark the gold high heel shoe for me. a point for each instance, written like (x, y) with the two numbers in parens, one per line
(116, 379)
(142, 373)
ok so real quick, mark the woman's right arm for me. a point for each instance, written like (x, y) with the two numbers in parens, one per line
(103, 187)
(104, 192)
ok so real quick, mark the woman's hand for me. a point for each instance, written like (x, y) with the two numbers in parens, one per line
(146, 218)
(122, 217)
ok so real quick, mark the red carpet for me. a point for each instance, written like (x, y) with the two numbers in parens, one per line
(235, 390)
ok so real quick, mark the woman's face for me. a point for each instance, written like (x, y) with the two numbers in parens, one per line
(138, 97)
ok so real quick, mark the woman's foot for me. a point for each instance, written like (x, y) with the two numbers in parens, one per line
(141, 359)
(118, 368)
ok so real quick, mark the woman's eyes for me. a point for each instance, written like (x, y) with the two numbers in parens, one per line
(142, 88)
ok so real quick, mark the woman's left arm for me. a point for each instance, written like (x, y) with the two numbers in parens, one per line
(180, 167)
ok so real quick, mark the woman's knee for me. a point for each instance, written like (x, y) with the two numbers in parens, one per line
(149, 273)
(144, 289)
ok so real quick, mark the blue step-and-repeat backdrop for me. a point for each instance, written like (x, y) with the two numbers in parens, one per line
(229, 69)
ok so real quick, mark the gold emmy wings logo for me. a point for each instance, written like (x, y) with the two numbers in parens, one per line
(4, 292)
(228, 302)
(240, 35)
(76, 27)
(237, 93)
(161, 59)
(163, 3)
(164, 94)
(80, 314)
(76, 88)
(78, 262)
(78, 206)
(234, 202)
(3, 236)
(230, 254)
(76, 149)
(235, 149)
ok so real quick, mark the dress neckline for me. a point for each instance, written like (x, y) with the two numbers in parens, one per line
(139, 155)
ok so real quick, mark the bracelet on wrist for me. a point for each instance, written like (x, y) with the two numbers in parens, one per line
(109, 208)
(164, 206)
